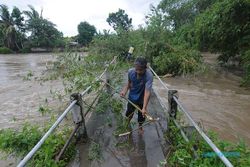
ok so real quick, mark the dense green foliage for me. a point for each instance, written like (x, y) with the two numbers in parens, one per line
(22, 30)
(43, 31)
(211, 25)
(86, 33)
(11, 27)
(1, 36)
(21, 142)
(4, 50)
(119, 20)
(183, 155)
(178, 13)
(225, 28)
(153, 42)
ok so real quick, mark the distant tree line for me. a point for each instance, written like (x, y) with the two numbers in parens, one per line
(22, 30)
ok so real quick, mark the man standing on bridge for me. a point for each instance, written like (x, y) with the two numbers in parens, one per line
(140, 81)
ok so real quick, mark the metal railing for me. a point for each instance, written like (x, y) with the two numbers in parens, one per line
(174, 99)
(59, 120)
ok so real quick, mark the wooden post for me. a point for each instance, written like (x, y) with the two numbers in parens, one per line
(172, 105)
(78, 118)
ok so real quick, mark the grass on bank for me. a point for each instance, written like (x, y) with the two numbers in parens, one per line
(20, 142)
(182, 155)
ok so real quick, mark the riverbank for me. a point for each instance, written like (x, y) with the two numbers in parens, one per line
(4, 50)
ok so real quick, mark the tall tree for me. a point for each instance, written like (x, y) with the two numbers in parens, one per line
(18, 19)
(43, 31)
(1, 35)
(180, 12)
(86, 33)
(119, 20)
(12, 27)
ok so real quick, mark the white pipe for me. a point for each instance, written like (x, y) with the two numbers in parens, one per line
(205, 137)
(38, 145)
(158, 78)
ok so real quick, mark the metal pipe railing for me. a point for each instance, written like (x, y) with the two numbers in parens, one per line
(39, 144)
(175, 122)
(158, 78)
(204, 136)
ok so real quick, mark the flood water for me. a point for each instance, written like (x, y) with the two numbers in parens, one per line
(20, 98)
(216, 100)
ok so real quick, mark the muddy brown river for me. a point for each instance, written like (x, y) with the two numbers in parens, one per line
(216, 100)
(20, 97)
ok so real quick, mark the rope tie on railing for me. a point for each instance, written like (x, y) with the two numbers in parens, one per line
(78, 118)
(172, 109)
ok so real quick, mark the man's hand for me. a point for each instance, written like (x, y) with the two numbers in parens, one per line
(144, 112)
(125, 90)
(122, 93)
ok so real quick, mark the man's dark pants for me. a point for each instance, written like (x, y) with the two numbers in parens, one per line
(130, 112)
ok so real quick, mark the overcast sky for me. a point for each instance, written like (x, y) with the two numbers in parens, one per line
(67, 14)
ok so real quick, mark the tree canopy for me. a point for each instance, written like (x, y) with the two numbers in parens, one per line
(11, 26)
(43, 31)
(86, 33)
(119, 20)
(35, 31)
(225, 28)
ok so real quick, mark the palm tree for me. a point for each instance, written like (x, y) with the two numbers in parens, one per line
(32, 14)
(10, 26)
(8, 29)
(43, 31)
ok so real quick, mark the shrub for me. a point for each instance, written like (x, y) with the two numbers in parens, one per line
(21, 142)
(246, 65)
(25, 50)
(4, 50)
(177, 62)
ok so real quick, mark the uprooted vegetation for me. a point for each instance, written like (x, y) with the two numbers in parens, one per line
(197, 152)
